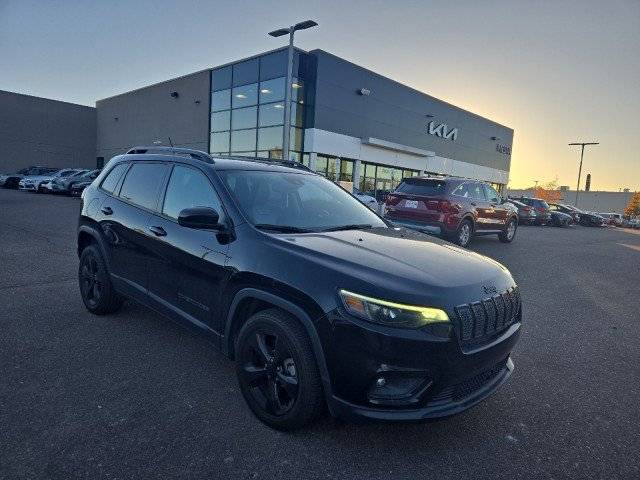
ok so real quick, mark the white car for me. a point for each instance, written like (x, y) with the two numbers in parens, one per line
(368, 200)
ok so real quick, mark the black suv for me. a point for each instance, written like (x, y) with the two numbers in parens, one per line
(318, 299)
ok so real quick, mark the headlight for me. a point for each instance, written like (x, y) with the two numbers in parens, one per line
(391, 313)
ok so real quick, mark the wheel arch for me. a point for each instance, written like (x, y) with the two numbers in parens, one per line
(87, 235)
(250, 300)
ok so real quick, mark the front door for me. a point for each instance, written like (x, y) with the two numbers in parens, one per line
(187, 266)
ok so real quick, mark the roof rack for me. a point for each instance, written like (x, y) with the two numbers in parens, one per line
(270, 161)
(185, 152)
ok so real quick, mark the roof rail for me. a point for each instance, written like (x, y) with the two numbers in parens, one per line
(162, 150)
(271, 161)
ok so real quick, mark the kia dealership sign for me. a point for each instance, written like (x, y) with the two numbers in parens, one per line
(442, 130)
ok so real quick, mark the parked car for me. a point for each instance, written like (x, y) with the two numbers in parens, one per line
(634, 223)
(35, 183)
(64, 184)
(55, 183)
(368, 200)
(526, 215)
(453, 207)
(559, 219)
(568, 209)
(541, 207)
(78, 187)
(11, 180)
(590, 219)
(614, 219)
(317, 298)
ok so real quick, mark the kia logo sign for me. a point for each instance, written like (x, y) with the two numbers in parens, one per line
(442, 130)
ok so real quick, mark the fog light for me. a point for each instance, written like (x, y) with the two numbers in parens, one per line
(398, 389)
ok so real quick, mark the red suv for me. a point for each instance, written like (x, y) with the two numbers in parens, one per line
(452, 207)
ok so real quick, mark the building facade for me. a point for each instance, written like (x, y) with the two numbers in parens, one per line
(40, 131)
(347, 122)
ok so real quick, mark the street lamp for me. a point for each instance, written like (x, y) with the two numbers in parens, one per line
(287, 105)
(582, 144)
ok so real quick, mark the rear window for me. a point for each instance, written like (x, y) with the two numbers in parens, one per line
(111, 181)
(422, 187)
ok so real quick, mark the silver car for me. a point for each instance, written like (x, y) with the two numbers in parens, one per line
(34, 183)
(368, 200)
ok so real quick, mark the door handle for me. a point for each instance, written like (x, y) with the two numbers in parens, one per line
(473, 204)
(158, 231)
(106, 210)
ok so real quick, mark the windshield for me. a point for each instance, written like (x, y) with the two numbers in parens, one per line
(296, 202)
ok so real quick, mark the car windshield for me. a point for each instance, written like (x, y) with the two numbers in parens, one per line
(296, 202)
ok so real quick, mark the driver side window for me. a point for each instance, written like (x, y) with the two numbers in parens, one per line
(492, 195)
(189, 188)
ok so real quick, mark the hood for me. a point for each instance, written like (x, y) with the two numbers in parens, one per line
(410, 263)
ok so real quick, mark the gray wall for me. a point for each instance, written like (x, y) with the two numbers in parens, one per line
(150, 114)
(396, 113)
(603, 202)
(39, 131)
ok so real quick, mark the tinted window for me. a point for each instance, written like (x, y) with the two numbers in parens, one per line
(422, 187)
(462, 191)
(476, 191)
(542, 204)
(111, 181)
(492, 195)
(188, 188)
(141, 184)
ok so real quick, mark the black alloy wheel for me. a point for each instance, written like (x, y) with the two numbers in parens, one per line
(97, 292)
(277, 371)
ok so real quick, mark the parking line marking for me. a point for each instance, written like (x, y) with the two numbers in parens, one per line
(633, 247)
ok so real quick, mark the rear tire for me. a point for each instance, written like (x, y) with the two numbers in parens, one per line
(96, 289)
(277, 371)
(464, 234)
(509, 232)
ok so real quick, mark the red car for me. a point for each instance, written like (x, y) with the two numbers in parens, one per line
(452, 207)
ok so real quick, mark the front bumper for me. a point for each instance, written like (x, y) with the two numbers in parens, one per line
(27, 186)
(430, 375)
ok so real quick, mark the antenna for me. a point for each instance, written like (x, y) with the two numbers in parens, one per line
(170, 142)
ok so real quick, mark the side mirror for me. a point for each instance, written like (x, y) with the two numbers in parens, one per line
(203, 218)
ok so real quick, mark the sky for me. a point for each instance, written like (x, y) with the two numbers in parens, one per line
(554, 71)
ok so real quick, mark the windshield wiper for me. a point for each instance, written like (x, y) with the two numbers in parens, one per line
(353, 226)
(282, 228)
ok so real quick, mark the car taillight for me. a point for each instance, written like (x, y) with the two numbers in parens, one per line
(527, 209)
(445, 206)
(540, 209)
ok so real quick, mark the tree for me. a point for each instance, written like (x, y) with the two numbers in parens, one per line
(633, 208)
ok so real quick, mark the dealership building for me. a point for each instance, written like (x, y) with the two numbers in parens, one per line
(347, 123)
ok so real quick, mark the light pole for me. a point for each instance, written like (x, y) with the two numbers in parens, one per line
(582, 144)
(287, 98)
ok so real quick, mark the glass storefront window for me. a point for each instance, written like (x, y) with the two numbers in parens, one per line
(305, 159)
(295, 139)
(297, 114)
(297, 90)
(221, 100)
(221, 78)
(243, 140)
(244, 118)
(272, 90)
(275, 153)
(219, 142)
(346, 171)
(271, 114)
(295, 156)
(270, 138)
(245, 96)
(245, 72)
(220, 121)
(321, 165)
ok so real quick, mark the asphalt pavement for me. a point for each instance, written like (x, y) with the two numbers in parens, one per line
(134, 396)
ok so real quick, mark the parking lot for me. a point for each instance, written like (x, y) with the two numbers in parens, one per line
(134, 396)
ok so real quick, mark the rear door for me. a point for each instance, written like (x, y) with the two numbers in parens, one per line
(124, 217)
(479, 203)
(187, 266)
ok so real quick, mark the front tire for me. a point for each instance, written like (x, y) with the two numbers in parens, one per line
(96, 289)
(509, 232)
(277, 371)
(464, 234)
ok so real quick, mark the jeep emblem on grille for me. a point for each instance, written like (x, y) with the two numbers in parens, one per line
(489, 289)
